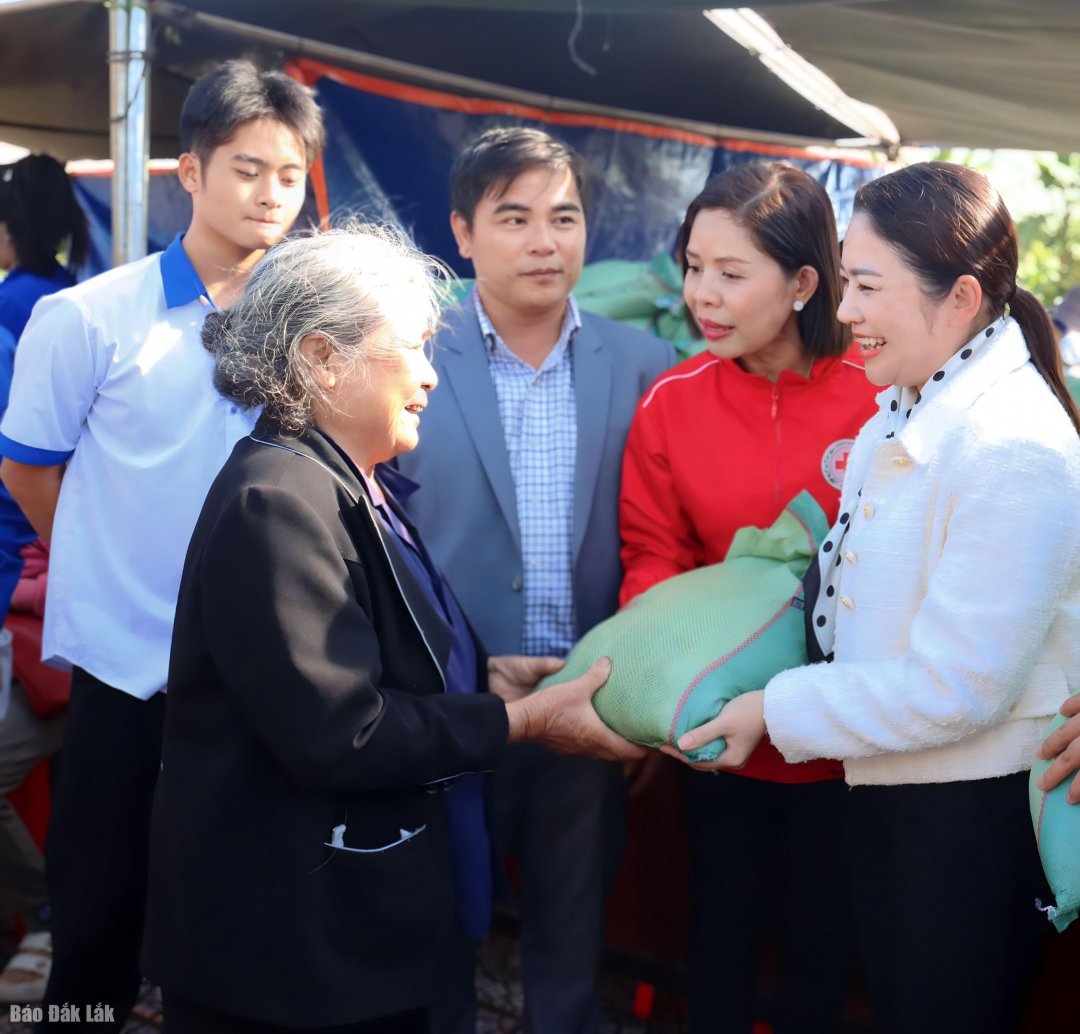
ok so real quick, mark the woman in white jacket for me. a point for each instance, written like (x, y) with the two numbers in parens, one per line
(948, 604)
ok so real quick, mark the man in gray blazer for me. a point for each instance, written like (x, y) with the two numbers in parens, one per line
(518, 467)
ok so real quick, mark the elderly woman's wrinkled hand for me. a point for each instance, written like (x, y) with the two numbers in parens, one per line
(512, 677)
(741, 723)
(563, 719)
(1063, 745)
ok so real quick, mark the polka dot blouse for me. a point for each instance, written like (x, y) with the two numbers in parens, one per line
(905, 405)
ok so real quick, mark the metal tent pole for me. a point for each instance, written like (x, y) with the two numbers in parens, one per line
(129, 126)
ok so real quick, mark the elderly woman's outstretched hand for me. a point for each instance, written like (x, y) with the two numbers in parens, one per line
(1063, 745)
(563, 719)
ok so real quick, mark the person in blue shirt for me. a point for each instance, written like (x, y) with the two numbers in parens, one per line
(39, 217)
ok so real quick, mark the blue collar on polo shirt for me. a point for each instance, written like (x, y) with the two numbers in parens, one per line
(178, 277)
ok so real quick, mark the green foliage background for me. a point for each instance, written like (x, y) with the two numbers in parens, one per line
(1050, 241)
(1045, 202)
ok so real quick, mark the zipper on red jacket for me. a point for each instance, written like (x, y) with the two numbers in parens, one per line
(775, 413)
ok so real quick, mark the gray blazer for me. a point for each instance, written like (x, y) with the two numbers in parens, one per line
(466, 508)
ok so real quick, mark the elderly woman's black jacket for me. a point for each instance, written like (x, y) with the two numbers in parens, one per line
(306, 707)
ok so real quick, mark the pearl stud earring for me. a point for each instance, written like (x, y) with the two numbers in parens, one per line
(799, 305)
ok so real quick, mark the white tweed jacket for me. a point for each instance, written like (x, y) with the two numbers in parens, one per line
(959, 633)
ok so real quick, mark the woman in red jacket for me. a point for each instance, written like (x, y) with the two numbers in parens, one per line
(722, 441)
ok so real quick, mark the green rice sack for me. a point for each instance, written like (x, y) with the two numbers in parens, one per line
(1057, 831)
(686, 647)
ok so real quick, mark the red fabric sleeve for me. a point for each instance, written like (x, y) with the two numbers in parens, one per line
(658, 539)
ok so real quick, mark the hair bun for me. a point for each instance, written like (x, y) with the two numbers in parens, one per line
(215, 329)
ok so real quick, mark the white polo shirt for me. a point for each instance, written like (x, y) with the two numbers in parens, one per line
(111, 377)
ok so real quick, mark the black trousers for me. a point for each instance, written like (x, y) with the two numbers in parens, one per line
(945, 877)
(183, 1016)
(96, 854)
(767, 857)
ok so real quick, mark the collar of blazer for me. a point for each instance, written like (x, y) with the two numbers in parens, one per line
(921, 436)
(462, 355)
(317, 447)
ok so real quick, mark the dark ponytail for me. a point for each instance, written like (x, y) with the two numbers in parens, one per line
(1028, 311)
(947, 221)
(41, 212)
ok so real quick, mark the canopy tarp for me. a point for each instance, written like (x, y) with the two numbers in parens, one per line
(969, 73)
(390, 147)
(993, 73)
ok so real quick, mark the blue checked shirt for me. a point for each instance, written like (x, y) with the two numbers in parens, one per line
(539, 418)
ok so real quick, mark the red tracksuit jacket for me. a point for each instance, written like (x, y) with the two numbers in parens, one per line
(712, 449)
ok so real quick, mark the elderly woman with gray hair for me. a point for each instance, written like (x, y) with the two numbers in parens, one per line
(318, 827)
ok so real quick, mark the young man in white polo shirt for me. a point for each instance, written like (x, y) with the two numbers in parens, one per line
(111, 440)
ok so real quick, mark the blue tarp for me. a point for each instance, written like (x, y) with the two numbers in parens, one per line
(388, 158)
(169, 210)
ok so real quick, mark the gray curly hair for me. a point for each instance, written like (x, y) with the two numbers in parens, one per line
(343, 285)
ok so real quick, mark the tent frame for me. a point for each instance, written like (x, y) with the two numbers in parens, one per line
(130, 62)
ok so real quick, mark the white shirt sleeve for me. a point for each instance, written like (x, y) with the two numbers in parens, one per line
(1011, 554)
(59, 366)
